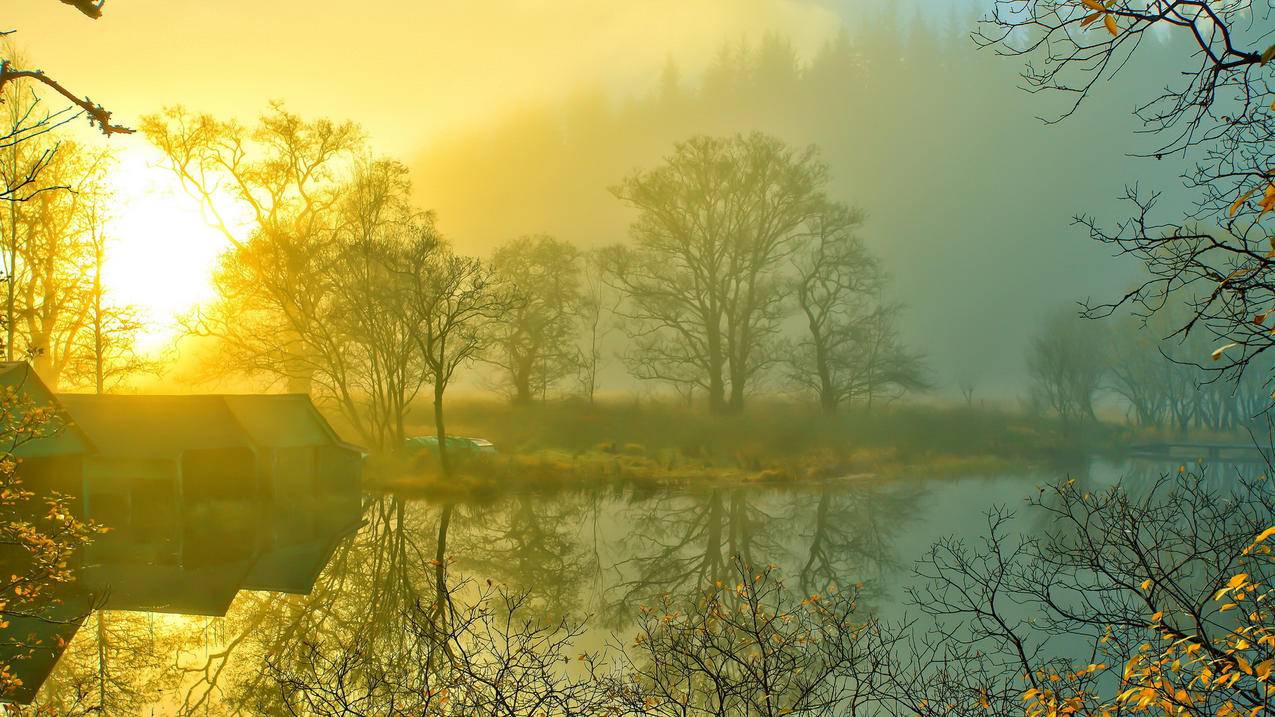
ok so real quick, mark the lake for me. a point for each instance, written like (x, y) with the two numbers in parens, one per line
(194, 614)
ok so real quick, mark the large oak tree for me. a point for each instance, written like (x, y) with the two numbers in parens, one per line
(715, 224)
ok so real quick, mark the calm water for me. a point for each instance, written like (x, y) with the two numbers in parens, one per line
(193, 612)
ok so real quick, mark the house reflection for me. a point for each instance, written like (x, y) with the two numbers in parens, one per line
(203, 496)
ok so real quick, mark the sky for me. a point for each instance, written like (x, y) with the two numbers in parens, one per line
(408, 72)
(421, 75)
(404, 69)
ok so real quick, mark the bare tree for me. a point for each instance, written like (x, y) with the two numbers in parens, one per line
(454, 302)
(306, 296)
(967, 382)
(1213, 111)
(24, 149)
(279, 177)
(1118, 603)
(850, 350)
(535, 340)
(747, 645)
(54, 262)
(1066, 362)
(598, 304)
(835, 283)
(373, 304)
(715, 224)
(104, 353)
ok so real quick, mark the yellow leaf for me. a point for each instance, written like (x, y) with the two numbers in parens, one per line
(1237, 580)
(1217, 353)
(1235, 207)
(1243, 665)
(1264, 534)
(1110, 22)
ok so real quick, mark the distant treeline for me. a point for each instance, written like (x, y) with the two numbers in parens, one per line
(969, 196)
(1162, 378)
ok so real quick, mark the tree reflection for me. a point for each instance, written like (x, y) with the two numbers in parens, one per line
(682, 541)
(852, 532)
(358, 604)
(532, 543)
(118, 663)
(381, 627)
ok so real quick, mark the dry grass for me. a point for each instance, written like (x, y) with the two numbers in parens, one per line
(571, 444)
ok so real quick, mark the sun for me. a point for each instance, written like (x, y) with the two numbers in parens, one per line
(162, 252)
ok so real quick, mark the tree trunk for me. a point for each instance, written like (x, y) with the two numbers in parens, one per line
(11, 314)
(828, 401)
(440, 428)
(736, 396)
(43, 363)
(827, 392)
(99, 341)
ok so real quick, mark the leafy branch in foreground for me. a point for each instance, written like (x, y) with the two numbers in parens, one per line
(96, 113)
(38, 538)
(1215, 111)
(1128, 600)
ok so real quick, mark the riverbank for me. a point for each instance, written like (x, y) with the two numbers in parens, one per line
(560, 444)
(556, 469)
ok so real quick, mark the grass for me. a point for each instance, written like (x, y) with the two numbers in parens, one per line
(569, 443)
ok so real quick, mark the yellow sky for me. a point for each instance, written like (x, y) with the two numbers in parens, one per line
(406, 70)
(403, 68)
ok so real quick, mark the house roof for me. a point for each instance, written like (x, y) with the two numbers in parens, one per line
(66, 438)
(282, 420)
(145, 426)
(155, 426)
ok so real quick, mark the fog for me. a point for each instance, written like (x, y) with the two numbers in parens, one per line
(969, 192)
(516, 118)
(713, 357)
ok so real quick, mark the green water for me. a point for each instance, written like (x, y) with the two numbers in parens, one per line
(194, 613)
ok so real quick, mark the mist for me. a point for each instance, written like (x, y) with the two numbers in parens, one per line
(724, 358)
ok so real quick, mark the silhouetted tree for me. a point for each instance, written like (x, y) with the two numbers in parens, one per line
(104, 351)
(598, 304)
(311, 293)
(715, 224)
(1066, 362)
(25, 149)
(850, 350)
(534, 344)
(1119, 604)
(453, 302)
(1212, 107)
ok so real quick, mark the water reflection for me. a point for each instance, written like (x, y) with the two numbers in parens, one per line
(202, 498)
(299, 601)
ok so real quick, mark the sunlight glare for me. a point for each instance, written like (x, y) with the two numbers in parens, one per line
(163, 252)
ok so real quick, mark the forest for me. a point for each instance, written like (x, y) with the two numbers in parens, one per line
(869, 358)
